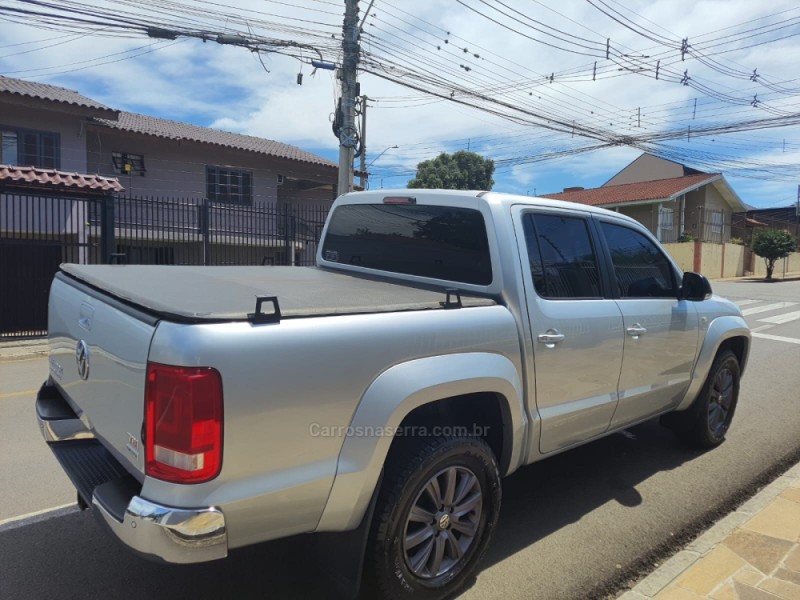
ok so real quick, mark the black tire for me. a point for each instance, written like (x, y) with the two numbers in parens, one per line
(459, 469)
(706, 422)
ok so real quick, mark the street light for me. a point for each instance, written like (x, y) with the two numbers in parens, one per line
(365, 169)
(381, 154)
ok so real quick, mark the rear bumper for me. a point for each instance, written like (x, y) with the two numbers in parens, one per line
(174, 535)
(171, 534)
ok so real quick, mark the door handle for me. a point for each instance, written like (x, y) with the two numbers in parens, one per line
(550, 338)
(636, 330)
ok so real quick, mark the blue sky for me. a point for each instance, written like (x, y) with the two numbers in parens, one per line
(500, 56)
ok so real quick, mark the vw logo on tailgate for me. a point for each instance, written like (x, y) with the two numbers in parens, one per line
(82, 358)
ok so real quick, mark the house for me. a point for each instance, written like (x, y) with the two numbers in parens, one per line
(84, 182)
(52, 127)
(192, 194)
(674, 202)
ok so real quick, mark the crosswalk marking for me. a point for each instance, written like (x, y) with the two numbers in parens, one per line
(781, 319)
(777, 338)
(746, 302)
(767, 307)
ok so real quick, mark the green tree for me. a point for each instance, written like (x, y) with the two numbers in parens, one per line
(461, 170)
(772, 244)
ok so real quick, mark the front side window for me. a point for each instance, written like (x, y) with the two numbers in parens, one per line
(231, 186)
(440, 242)
(29, 148)
(562, 260)
(641, 269)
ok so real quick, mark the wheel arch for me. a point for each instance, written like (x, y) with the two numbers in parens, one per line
(410, 393)
(728, 332)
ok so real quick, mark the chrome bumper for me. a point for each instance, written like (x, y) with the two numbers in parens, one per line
(172, 534)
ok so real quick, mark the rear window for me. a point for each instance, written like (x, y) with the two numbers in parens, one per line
(428, 241)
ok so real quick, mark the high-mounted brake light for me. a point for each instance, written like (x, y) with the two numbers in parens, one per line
(183, 423)
(399, 200)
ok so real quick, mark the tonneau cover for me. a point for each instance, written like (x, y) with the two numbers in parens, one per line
(193, 293)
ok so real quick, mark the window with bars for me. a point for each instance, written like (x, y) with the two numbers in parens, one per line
(128, 164)
(229, 185)
(27, 148)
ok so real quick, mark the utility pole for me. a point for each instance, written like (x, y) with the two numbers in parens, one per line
(364, 99)
(347, 135)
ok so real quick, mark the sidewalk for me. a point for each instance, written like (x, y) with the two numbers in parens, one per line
(752, 554)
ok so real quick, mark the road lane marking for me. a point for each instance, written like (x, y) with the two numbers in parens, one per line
(761, 328)
(781, 319)
(38, 513)
(777, 338)
(745, 302)
(767, 307)
(14, 394)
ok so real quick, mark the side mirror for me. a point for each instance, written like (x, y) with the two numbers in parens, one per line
(695, 287)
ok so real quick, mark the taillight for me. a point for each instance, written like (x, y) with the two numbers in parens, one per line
(183, 423)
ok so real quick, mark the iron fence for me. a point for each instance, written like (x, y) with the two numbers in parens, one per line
(37, 233)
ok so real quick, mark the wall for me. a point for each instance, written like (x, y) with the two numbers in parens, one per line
(716, 260)
(646, 168)
(68, 125)
(682, 253)
(733, 263)
(711, 260)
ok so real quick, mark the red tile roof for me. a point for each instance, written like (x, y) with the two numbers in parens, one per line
(57, 180)
(174, 130)
(53, 93)
(660, 189)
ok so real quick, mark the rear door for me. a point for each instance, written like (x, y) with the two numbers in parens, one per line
(577, 329)
(661, 332)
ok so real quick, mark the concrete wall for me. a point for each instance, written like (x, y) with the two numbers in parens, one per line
(733, 262)
(646, 168)
(682, 253)
(715, 260)
(69, 127)
(711, 260)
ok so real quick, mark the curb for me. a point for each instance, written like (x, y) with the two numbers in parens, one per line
(35, 348)
(674, 567)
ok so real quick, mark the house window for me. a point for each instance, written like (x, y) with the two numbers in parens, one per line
(716, 222)
(29, 148)
(229, 185)
(128, 164)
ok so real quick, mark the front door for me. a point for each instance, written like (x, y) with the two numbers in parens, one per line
(661, 332)
(577, 332)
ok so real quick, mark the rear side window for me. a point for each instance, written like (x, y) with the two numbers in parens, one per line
(562, 260)
(641, 269)
(428, 241)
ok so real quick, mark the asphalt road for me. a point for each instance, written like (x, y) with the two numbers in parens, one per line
(568, 527)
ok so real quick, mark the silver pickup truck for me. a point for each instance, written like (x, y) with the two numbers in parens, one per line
(443, 340)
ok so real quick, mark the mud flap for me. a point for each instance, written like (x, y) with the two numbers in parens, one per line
(340, 555)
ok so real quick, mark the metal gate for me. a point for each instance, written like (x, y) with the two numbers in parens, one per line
(37, 233)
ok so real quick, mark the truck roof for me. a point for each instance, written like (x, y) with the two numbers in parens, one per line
(489, 198)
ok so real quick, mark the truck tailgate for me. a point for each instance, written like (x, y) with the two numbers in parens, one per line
(98, 359)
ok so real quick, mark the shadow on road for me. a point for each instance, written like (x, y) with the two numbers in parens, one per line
(75, 557)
